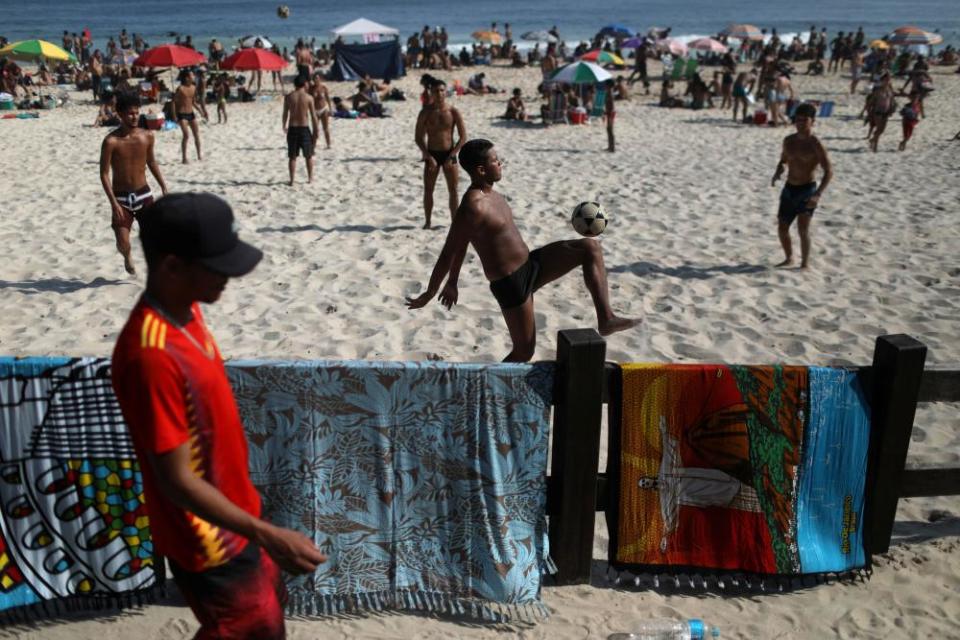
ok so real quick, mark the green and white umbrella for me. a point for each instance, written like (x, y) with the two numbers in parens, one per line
(580, 72)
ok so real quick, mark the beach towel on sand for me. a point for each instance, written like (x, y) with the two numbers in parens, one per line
(424, 483)
(74, 531)
(751, 470)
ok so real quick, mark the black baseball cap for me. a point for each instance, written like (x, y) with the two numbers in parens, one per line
(200, 227)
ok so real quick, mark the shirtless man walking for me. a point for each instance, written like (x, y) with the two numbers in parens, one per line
(127, 151)
(183, 102)
(802, 153)
(434, 137)
(485, 220)
(299, 116)
(322, 104)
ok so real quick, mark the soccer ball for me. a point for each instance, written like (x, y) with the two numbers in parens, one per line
(589, 219)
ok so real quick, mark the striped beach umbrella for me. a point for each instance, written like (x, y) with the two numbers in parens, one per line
(36, 50)
(742, 32)
(708, 44)
(490, 37)
(602, 57)
(539, 36)
(580, 73)
(909, 35)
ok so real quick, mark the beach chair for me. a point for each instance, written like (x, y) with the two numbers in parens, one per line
(599, 102)
(557, 109)
(679, 67)
(826, 109)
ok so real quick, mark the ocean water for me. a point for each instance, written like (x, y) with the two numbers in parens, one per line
(227, 20)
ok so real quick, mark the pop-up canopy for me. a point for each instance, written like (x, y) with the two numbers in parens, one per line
(364, 27)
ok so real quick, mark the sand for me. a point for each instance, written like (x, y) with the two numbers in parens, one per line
(690, 249)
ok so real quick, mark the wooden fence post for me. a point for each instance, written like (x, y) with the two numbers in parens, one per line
(578, 406)
(896, 372)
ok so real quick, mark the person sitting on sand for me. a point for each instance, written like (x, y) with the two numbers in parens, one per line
(666, 99)
(485, 220)
(107, 115)
(477, 85)
(802, 153)
(515, 108)
(184, 100)
(621, 91)
(699, 91)
(126, 153)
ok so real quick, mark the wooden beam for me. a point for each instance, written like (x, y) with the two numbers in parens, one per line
(940, 385)
(572, 495)
(924, 483)
(896, 372)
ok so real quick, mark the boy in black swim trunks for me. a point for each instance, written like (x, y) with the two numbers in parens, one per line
(299, 115)
(434, 137)
(485, 220)
(802, 153)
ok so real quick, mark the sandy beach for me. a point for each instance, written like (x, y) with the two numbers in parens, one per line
(690, 249)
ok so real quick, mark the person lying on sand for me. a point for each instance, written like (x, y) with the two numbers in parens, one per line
(485, 220)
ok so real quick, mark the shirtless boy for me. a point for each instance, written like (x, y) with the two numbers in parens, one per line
(322, 104)
(183, 103)
(434, 136)
(127, 152)
(298, 117)
(802, 153)
(485, 220)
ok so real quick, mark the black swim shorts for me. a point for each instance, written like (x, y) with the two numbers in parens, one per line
(793, 201)
(185, 116)
(513, 290)
(299, 139)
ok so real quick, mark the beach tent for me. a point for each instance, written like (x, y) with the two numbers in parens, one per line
(378, 59)
(369, 30)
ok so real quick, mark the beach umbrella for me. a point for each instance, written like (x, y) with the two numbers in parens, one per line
(539, 36)
(879, 44)
(672, 45)
(251, 41)
(602, 57)
(903, 36)
(616, 30)
(708, 44)
(253, 60)
(36, 50)
(742, 32)
(580, 73)
(491, 37)
(633, 43)
(169, 55)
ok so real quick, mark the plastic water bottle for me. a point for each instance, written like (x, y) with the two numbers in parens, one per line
(669, 629)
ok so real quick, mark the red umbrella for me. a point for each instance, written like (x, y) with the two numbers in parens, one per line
(169, 55)
(253, 60)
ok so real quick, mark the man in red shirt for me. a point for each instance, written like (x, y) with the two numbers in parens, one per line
(169, 378)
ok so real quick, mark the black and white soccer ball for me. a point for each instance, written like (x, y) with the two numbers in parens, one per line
(589, 219)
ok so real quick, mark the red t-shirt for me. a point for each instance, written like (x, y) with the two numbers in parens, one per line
(173, 392)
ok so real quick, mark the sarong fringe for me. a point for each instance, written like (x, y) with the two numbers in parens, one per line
(417, 600)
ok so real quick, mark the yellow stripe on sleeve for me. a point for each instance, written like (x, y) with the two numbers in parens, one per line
(153, 332)
(162, 338)
(145, 329)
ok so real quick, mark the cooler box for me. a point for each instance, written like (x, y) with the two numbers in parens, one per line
(759, 117)
(575, 116)
(6, 105)
(154, 121)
